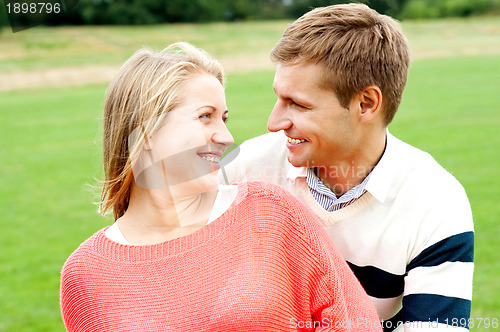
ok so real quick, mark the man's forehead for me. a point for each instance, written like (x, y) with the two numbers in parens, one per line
(298, 76)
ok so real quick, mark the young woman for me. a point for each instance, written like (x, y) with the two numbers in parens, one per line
(186, 254)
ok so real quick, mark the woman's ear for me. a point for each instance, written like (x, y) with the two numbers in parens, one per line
(370, 102)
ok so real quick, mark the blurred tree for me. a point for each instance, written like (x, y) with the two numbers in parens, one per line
(193, 11)
(273, 9)
(93, 11)
(297, 8)
(422, 9)
(389, 7)
(4, 20)
(241, 9)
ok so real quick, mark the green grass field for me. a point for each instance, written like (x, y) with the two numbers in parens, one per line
(50, 140)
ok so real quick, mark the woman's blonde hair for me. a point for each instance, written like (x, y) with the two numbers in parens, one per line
(357, 46)
(145, 88)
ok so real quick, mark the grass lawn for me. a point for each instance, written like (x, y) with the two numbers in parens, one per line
(50, 141)
(72, 46)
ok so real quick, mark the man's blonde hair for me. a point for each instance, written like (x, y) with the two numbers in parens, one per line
(144, 90)
(357, 46)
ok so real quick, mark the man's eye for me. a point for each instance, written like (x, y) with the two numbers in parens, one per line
(294, 104)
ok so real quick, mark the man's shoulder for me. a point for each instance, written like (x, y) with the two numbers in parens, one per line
(423, 171)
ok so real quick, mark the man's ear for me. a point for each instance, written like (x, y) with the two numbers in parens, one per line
(370, 103)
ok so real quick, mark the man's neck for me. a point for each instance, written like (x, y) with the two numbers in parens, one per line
(345, 175)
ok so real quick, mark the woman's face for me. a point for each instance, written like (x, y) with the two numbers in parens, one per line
(186, 150)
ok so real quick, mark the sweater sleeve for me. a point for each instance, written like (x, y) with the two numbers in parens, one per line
(438, 284)
(337, 300)
(75, 301)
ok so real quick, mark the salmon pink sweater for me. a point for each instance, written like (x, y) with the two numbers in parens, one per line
(264, 265)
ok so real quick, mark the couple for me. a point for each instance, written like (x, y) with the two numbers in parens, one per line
(186, 253)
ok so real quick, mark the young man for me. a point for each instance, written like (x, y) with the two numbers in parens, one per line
(402, 222)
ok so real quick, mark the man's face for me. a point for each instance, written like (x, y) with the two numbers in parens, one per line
(320, 131)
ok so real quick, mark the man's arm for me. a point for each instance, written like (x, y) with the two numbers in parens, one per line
(438, 285)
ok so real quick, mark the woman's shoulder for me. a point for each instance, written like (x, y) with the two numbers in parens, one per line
(279, 213)
(273, 201)
(277, 195)
(85, 250)
(266, 190)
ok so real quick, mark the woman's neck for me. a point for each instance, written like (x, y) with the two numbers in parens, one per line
(155, 216)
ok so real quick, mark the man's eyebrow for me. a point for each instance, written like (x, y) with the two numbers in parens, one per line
(289, 97)
(295, 99)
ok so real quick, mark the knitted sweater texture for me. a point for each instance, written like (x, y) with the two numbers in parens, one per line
(265, 265)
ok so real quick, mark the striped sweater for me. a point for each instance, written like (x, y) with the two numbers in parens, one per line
(266, 264)
(409, 239)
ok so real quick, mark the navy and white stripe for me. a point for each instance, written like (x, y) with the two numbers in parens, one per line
(420, 303)
(447, 303)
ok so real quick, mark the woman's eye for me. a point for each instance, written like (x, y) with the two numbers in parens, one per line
(205, 116)
(225, 119)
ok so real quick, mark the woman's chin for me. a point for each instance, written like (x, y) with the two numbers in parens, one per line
(200, 185)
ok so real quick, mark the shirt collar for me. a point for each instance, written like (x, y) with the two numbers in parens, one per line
(378, 183)
(380, 177)
(295, 172)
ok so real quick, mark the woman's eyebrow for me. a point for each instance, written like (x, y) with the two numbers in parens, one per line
(213, 108)
(207, 106)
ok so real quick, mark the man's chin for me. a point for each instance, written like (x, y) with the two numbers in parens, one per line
(297, 162)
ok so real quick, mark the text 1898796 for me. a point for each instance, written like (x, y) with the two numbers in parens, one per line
(33, 8)
(26, 14)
